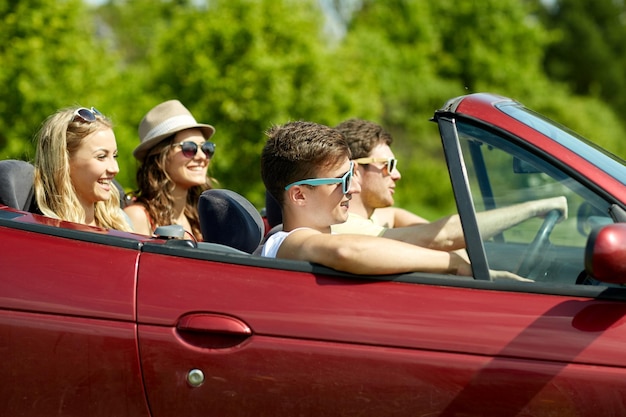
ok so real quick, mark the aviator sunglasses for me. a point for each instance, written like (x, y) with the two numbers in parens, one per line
(345, 180)
(86, 115)
(190, 149)
(391, 163)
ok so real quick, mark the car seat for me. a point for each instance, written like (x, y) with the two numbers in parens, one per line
(229, 219)
(16, 185)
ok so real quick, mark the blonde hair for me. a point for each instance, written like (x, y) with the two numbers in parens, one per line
(58, 139)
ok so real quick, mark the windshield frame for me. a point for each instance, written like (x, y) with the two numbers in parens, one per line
(581, 146)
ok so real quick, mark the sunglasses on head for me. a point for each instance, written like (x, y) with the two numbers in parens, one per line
(345, 180)
(86, 115)
(391, 163)
(189, 148)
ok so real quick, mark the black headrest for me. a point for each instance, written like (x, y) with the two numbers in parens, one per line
(229, 219)
(273, 212)
(124, 199)
(16, 184)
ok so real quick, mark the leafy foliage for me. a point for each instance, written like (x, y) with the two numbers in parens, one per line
(588, 50)
(50, 59)
(244, 65)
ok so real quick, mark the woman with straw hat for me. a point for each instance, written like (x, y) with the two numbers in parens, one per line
(174, 155)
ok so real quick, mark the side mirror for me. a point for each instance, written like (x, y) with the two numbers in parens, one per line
(605, 254)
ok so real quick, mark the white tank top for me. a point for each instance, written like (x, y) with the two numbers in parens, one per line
(271, 246)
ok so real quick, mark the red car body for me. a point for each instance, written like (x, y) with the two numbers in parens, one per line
(105, 323)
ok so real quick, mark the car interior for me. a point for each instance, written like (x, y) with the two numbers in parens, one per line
(501, 173)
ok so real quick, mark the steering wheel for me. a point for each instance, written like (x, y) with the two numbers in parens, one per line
(539, 243)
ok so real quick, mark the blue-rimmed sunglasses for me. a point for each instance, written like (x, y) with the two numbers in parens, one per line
(391, 163)
(345, 180)
(86, 115)
(189, 148)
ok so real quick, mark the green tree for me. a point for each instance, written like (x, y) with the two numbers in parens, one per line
(241, 66)
(587, 50)
(394, 42)
(245, 65)
(424, 53)
(50, 58)
(501, 46)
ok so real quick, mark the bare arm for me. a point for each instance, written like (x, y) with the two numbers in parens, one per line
(139, 219)
(447, 233)
(495, 221)
(361, 254)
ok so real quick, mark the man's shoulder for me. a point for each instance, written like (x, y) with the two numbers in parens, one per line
(384, 217)
(391, 217)
(358, 225)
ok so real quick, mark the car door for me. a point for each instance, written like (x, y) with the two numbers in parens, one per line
(238, 335)
(67, 320)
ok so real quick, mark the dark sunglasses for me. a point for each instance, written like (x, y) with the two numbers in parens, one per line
(190, 149)
(86, 115)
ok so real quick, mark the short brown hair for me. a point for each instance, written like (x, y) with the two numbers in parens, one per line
(297, 151)
(363, 136)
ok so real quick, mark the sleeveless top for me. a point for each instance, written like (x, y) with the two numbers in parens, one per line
(271, 246)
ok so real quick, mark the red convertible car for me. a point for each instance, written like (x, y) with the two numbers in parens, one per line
(105, 323)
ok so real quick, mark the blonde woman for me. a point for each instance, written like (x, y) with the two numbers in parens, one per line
(174, 155)
(75, 164)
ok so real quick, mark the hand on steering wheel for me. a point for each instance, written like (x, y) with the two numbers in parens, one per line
(539, 243)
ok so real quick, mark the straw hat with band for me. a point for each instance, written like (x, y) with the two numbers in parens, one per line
(163, 121)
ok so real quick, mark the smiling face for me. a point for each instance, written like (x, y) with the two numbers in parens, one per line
(187, 172)
(93, 165)
(377, 183)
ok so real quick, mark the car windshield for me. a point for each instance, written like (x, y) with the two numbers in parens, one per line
(601, 158)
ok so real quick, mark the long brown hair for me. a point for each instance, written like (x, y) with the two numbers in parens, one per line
(155, 187)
